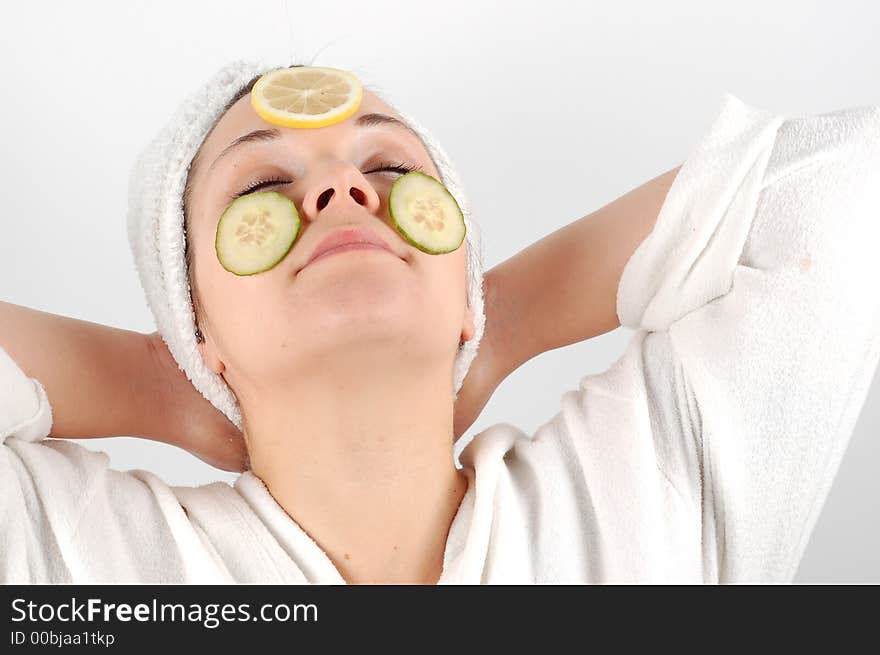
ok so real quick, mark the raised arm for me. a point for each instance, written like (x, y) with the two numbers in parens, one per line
(103, 381)
(749, 275)
(86, 370)
(563, 288)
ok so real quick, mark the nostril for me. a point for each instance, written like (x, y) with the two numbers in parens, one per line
(324, 198)
(359, 196)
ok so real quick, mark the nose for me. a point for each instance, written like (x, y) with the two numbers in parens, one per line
(339, 186)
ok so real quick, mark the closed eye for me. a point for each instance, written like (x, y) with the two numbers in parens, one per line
(401, 168)
(256, 186)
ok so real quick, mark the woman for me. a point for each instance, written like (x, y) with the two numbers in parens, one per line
(702, 455)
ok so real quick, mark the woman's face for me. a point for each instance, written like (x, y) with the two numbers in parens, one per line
(261, 329)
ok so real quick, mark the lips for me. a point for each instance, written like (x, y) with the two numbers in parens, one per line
(344, 237)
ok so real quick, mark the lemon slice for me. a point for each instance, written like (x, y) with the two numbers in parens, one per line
(306, 96)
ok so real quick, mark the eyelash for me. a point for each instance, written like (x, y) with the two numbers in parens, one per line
(397, 167)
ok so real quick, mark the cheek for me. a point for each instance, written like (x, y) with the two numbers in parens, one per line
(241, 306)
(255, 325)
(445, 280)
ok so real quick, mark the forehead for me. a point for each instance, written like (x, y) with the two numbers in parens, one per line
(241, 118)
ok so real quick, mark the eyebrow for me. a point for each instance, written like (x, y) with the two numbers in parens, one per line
(367, 120)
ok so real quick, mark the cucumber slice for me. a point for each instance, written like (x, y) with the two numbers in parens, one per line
(256, 231)
(426, 214)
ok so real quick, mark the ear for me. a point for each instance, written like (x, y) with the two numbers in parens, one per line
(467, 329)
(209, 354)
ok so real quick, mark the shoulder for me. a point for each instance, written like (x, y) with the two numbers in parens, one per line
(67, 516)
(69, 477)
(505, 452)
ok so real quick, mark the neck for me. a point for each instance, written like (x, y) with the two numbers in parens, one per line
(364, 464)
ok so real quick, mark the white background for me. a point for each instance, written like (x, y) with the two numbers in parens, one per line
(549, 109)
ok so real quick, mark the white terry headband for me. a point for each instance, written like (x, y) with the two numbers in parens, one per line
(156, 229)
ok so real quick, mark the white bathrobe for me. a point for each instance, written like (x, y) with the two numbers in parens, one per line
(704, 454)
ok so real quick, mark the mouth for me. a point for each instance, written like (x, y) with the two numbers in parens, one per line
(348, 247)
(348, 239)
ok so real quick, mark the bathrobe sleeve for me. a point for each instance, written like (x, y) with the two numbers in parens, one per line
(25, 411)
(756, 305)
(67, 517)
